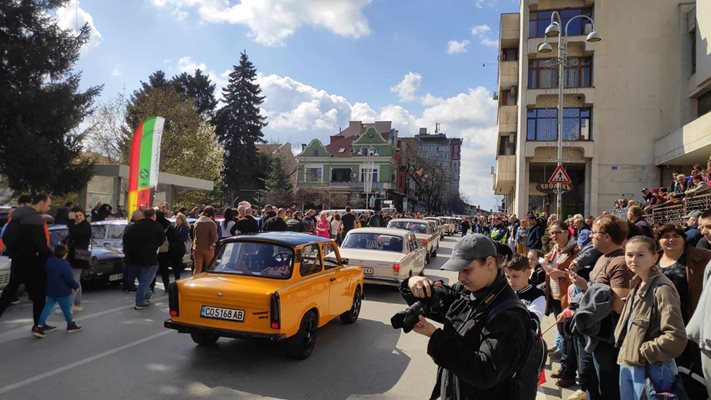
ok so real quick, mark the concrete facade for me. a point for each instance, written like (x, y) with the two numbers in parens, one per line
(638, 89)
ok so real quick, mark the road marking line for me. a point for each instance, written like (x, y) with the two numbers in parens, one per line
(80, 362)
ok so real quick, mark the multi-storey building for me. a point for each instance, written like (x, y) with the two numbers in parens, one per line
(361, 164)
(443, 153)
(635, 104)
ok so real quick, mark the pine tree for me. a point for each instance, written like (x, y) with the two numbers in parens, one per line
(238, 126)
(40, 102)
(199, 89)
(279, 190)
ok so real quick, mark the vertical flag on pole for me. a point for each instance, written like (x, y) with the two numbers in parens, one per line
(145, 160)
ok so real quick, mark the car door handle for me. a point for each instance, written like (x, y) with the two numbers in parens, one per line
(332, 279)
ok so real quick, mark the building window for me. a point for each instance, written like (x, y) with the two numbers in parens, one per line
(542, 124)
(313, 174)
(341, 175)
(704, 104)
(692, 34)
(364, 172)
(543, 74)
(509, 54)
(539, 21)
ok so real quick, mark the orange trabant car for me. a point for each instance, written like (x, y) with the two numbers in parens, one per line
(276, 285)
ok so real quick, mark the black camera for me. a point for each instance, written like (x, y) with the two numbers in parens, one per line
(408, 318)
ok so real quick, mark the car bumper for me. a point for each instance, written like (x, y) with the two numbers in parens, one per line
(104, 271)
(382, 281)
(187, 328)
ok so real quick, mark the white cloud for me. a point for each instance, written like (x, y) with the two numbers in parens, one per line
(73, 17)
(406, 89)
(116, 71)
(483, 33)
(272, 21)
(456, 47)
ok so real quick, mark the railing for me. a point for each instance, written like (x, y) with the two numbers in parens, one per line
(673, 214)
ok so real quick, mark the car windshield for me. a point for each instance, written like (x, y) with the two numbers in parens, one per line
(254, 259)
(373, 241)
(98, 231)
(116, 231)
(417, 227)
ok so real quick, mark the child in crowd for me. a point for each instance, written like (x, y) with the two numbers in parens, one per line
(517, 272)
(650, 332)
(60, 282)
(538, 274)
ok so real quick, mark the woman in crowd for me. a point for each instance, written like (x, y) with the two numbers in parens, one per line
(228, 222)
(557, 263)
(323, 227)
(684, 266)
(538, 274)
(336, 227)
(164, 255)
(78, 240)
(180, 245)
(650, 332)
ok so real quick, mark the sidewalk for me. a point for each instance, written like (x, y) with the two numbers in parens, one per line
(549, 391)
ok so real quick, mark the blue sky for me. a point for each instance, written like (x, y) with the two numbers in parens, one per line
(321, 62)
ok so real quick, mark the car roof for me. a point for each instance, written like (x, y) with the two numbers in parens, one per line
(385, 231)
(111, 222)
(422, 221)
(286, 238)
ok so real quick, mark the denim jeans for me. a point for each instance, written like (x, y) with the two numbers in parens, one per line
(129, 277)
(145, 274)
(65, 303)
(77, 277)
(586, 370)
(632, 378)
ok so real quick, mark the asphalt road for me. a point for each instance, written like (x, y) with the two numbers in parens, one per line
(127, 354)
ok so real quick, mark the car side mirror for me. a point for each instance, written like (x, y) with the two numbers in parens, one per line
(344, 261)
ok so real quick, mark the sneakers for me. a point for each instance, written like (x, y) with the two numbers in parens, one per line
(565, 382)
(49, 328)
(577, 395)
(77, 309)
(74, 328)
(38, 332)
(141, 307)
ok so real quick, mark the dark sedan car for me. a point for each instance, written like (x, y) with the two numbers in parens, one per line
(105, 266)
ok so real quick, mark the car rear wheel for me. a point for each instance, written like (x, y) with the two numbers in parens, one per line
(434, 253)
(302, 344)
(351, 315)
(204, 339)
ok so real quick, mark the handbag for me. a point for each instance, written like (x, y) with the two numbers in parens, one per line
(677, 391)
(82, 254)
(165, 246)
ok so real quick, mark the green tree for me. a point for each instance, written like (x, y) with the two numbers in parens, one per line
(41, 105)
(239, 126)
(189, 146)
(200, 89)
(278, 187)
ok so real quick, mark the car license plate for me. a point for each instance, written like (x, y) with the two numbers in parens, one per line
(228, 314)
(115, 277)
(368, 270)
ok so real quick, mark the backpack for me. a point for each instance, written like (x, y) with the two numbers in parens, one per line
(524, 381)
(309, 225)
(11, 235)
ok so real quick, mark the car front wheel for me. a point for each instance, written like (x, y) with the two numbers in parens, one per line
(351, 315)
(302, 344)
(204, 339)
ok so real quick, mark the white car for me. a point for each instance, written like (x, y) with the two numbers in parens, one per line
(449, 225)
(439, 225)
(387, 256)
(4, 271)
(425, 231)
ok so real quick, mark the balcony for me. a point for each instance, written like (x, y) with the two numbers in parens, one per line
(508, 116)
(360, 185)
(505, 174)
(508, 74)
(510, 30)
(687, 145)
(576, 45)
(573, 97)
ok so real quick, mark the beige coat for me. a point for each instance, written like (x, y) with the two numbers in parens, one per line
(205, 234)
(657, 331)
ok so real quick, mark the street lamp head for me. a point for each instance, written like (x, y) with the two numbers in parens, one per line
(545, 48)
(552, 30)
(593, 37)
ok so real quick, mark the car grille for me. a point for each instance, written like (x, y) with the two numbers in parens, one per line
(4, 278)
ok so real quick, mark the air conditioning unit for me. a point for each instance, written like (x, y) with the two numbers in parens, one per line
(513, 90)
(495, 95)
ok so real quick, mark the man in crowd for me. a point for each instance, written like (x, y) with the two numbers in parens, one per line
(499, 233)
(310, 222)
(705, 227)
(348, 220)
(295, 224)
(693, 234)
(649, 200)
(129, 279)
(582, 231)
(27, 242)
(634, 216)
(205, 239)
(141, 241)
(276, 223)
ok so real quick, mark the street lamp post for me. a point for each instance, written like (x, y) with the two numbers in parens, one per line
(555, 28)
(368, 178)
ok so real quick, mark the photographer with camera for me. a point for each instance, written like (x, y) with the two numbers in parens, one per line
(482, 350)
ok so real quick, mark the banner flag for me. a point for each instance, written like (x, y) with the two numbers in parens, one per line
(145, 161)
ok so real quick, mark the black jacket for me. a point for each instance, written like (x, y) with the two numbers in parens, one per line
(535, 233)
(141, 241)
(245, 225)
(31, 238)
(275, 224)
(476, 357)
